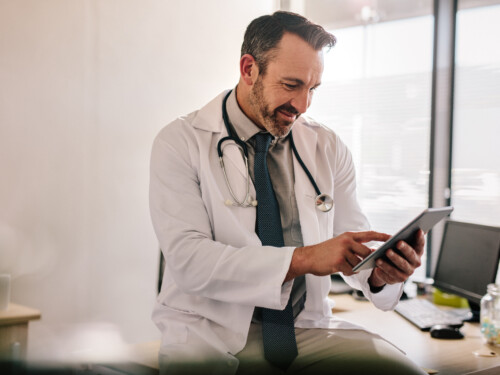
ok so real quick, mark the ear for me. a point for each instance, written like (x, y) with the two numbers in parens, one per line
(248, 69)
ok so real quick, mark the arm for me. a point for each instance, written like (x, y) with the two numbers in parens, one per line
(342, 253)
(339, 254)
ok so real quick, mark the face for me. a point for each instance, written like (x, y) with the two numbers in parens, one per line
(285, 91)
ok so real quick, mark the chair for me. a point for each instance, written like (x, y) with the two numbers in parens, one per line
(160, 271)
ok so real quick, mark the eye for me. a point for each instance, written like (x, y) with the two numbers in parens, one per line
(290, 86)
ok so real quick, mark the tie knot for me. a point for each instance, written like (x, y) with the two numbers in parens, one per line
(262, 142)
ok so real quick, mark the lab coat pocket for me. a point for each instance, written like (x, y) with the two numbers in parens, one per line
(177, 311)
(173, 333)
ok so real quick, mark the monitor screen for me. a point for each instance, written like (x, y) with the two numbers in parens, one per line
(468, 260)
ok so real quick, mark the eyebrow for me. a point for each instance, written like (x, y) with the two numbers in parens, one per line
(298, 81)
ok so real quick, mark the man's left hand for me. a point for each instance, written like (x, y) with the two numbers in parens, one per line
(404, 262)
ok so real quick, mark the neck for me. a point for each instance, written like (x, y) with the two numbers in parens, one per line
(242, 94)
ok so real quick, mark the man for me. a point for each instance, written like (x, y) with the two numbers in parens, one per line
(232, 299)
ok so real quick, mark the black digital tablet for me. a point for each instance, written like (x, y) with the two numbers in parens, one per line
(425, 221)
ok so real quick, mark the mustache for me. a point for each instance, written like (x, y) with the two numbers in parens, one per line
(289, 108)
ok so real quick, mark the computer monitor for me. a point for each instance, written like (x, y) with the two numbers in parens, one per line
(468, 261)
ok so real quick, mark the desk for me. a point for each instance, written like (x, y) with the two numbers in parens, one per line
(448, 357)
(14, 330)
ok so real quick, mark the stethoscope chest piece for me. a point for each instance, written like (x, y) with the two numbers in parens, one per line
(324, 202)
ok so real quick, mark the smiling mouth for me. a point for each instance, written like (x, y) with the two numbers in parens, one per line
(287, 115)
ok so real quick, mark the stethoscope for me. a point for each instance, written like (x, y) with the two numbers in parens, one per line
(323, 202)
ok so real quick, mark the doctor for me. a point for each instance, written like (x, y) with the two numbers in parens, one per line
(225, 281)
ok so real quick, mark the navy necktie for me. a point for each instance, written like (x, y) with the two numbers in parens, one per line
(278, 331)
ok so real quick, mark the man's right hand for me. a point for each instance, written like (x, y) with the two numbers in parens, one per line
(339, 254)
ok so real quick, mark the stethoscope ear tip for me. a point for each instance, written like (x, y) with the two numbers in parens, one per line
(228, 202)
(254, 203)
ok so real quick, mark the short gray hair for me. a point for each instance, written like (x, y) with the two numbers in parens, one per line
(264, 33)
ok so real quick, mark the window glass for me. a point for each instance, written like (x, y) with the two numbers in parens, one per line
(475, 178)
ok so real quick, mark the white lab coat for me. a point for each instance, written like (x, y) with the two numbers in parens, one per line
(217, 270)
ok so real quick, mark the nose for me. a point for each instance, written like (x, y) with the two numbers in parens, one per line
(302, 101)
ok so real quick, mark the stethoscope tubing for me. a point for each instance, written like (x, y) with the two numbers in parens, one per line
(304, 168)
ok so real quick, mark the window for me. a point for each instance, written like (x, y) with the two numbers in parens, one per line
(475, 176)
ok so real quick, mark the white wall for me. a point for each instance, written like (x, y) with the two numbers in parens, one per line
(84, 87)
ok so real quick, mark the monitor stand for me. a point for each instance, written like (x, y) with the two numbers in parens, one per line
(475, 311)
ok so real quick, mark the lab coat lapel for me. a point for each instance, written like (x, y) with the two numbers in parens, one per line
(209, 118)
(305, 140)
(236, 169)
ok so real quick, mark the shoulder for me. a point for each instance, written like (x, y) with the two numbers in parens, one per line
(176, 135)
(206, 119)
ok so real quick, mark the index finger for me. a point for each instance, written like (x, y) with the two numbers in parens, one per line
(370, 235)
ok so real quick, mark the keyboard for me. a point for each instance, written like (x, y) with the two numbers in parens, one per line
(425, 314)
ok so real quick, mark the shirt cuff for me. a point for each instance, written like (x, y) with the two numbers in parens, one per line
(376, 289)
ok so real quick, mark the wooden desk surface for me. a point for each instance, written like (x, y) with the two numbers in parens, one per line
(16, 314)
(14, 330)
(446, 356)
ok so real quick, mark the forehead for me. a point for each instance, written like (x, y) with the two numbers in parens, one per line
(295, 57)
